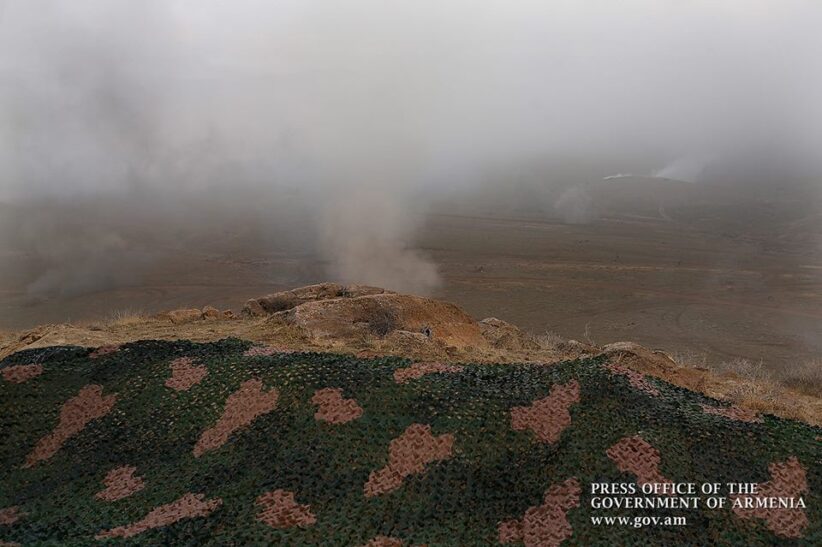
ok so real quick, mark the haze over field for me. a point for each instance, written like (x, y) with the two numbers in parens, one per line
(314, 141)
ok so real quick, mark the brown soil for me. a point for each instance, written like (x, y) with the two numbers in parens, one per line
(21, 373)
(10, 515)
(636, 456)
(279, 509)
(120, 483)
(89, 404)
(333, 408)
(418, 370)
(547, 417)
(241, 408)
(544, 525)
(788, 480)
(185, 374)
(189, 506)
(733, 413)
(408, 454)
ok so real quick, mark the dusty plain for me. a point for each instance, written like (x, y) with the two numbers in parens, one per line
(670, 266)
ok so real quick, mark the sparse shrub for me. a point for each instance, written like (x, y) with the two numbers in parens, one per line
(690, 358)
(805, 377)
(126, 317)
(383, 321)
(548, 340)
(746, 369)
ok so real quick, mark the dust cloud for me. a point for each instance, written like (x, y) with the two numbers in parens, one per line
(331, 129)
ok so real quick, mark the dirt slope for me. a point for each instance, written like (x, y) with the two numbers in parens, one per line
(370, 321)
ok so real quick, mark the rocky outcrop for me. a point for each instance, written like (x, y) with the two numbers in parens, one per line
(653, 362)
(189, 315)
(504, 335)
(286, 300)
(330, 312)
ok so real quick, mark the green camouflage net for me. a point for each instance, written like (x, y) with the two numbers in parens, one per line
(226, 443)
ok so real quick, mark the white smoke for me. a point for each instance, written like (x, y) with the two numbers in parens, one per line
(206, 109)
(367, 236)
(618, 176)
(687, 169)
(576, 205)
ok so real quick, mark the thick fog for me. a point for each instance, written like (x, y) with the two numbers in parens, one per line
(332, 126)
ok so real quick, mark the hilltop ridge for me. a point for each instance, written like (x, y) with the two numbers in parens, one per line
(372, 321)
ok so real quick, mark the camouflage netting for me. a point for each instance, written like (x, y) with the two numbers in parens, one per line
(164, 443)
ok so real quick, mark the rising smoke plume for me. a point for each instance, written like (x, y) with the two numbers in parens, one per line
(576, 206)
(186, 116)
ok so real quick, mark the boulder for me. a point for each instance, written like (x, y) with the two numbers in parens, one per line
(504, 335)
(655, 363)
(184, 315)
(286, 300)
(211, 314)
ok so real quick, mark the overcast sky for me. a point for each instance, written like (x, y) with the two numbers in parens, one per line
(102, 93)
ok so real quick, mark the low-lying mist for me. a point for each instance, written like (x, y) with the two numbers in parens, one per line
(329, 130)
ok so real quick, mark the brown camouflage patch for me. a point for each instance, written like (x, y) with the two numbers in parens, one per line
(635, 378)
(544, 525)
(89, 404)
(10, 515)
(408, 454)
(384, 541)
(333, 408)
(102, 351)
(265, 351)
(189, 506)
(547, 417)
(18, 374)
(788, 480)
(636, 456)
(279, 509)
(733, 413)
(418, 370)
(241, 408)
(120, 483)
(185, 374)
(7, 544)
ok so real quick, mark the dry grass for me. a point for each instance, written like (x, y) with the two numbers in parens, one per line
(548, 340)
(690, 358)
(754, 386)
(744, 383)
(126, 318)
(383, 321)
(805, 377)
(745, 369)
